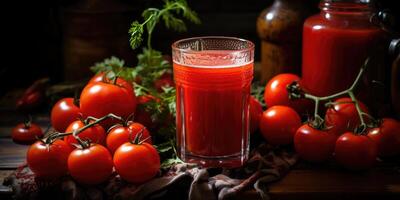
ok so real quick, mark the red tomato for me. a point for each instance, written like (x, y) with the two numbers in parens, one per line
(95, 134)
(277, 94)
(63, 113)
(101, 98)
(343, 117)
(26, 133)
(314, 145)
(255, 113)
(92, 165)
(164, 81)
(136, 163)
(278, 124)
(48, 161)
(355, 152)
(100, 77)
(120, 135)
(387, 137)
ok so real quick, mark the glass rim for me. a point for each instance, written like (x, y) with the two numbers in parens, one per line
(249, 48)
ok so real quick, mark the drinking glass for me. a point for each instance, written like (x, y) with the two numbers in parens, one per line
(213, 77)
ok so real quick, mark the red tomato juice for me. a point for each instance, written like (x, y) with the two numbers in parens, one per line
(333, 52)
(213, 107)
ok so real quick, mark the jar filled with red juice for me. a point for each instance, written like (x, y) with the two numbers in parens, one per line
(336, 44)
(213, 77)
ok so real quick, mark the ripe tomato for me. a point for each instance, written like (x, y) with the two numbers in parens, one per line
(63, 113)
(386, 137)
(48, 161)
(101, 98)
(92, 165)
(255, 113)
(101, 77)
(95, 134)
(26, 133)
(120, 135)
(164, 81)
(314, 145)
(277, 94)
(278, 124)
(355, 152)
(136, 163)
(343, 117)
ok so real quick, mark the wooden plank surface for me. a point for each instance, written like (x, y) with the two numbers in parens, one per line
(11, 155)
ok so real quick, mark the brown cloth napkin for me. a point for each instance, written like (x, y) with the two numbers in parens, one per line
(183, 181)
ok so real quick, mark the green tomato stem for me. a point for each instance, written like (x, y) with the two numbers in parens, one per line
(349, 92)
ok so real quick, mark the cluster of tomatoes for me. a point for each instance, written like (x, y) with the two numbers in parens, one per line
(281, 124)
(84, 149)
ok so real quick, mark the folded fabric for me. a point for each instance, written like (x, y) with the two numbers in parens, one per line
(183, 181)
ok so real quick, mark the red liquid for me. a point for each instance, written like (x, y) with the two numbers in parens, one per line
(212, 109)
(334, 49)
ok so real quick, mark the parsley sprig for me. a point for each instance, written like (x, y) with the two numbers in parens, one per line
(168, 14)
(150, 67)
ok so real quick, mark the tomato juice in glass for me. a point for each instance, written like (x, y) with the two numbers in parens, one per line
(213, 77)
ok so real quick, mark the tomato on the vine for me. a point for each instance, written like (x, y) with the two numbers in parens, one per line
(121, 134)
(91, 165)
(48, 161)
(277, 94)
(278, 124)
(355, 152)
(26, 133)
(136, 163)
(102, 98)
(255, 113)
(343, 115)
(63, 113)
(386, 137)
(95, 134)
(313, 144)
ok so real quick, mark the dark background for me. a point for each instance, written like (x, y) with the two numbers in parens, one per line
(39, 33)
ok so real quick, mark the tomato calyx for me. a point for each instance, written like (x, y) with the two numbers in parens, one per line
(28, 122)
(138, 137)
(295, 91)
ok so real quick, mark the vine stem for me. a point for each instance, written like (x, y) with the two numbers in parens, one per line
(76, 132)
(349, 91)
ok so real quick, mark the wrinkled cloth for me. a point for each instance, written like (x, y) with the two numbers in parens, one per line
(183, 181)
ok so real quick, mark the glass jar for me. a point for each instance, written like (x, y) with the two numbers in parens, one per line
(337, 42)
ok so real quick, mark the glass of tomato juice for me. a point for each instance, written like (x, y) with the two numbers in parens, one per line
(213, 77)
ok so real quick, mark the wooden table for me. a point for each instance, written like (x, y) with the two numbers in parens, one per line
(305, 181)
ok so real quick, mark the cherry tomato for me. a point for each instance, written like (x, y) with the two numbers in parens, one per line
(95, 134)
(26, 133)
(164, 81)
(120, 135)
(101, 98)
(277, 94)
(278, 124)
(48, 161)
(255, 113)
(314, 145)
(386, 137)
(343, 117)
(136, 163)
(63, 113)
(355, 152)
(92, 165)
